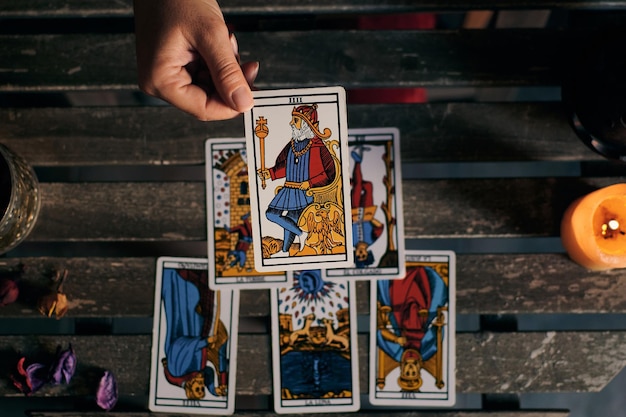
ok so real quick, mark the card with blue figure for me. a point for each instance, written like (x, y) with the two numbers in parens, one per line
(376, 200)
(297, 143)
(314, 345)
(229, 220)
(412, 336)
(194, 341)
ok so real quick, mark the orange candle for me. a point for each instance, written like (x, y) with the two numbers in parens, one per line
(593, 229)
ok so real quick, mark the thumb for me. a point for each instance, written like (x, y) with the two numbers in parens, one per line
(217, 51)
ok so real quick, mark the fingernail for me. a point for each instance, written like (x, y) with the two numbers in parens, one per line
(233, 42)
(254, 73)
(242, 98)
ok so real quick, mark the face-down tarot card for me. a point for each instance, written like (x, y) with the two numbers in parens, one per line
(314, 345)
(194, 342)
(412, 337)
(229, 221)
(377, 211)
(297, 144)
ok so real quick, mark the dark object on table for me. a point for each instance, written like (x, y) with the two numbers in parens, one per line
(594, 94)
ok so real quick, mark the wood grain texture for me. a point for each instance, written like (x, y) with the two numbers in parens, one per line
(86, 8)
(434, 132)
(418, 58)
(363, 413)
(486, 284)
(137, 211)
(486, 363)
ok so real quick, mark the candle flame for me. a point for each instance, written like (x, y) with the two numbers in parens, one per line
(610, 227)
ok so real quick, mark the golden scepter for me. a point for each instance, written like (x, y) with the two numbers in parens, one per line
(261, 131)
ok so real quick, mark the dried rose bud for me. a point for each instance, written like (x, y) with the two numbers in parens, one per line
(64, 366)
(55, 302)
(8, 291)
(106, 397)
(30, 379)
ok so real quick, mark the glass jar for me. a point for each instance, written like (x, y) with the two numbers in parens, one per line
(19, 199)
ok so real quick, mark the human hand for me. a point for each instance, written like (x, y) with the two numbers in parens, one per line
(264, 174)
(186, 57)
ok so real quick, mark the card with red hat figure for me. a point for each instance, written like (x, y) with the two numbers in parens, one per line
(377, 212)
(194, 341)
(314, 345)
(229, 222)
(412, 337)
(297, 143)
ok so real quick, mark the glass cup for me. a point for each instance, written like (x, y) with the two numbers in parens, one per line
(19, 199)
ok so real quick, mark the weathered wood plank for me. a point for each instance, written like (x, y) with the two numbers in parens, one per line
(176, 211)
(86, 8)
(362, 413)
(441, 58)
(486, 284)
(486, 363)
(433, 132)
(111, 135)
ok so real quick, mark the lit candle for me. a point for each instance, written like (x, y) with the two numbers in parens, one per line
(593, 229)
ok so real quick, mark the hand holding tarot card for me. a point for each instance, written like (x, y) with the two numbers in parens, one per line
(297, 143)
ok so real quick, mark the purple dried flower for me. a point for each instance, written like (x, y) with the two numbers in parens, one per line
(8, 291)
(30, 379)
(64, 366)
(106, 397)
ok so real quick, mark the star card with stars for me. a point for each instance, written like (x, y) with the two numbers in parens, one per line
(297, 143)
(229, 221)
(314, 345)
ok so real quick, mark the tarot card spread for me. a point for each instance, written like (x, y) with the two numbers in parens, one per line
(230, 245)
(314, 345)
(377, 212)
(299, 174)
(412, 342)
(194, 342)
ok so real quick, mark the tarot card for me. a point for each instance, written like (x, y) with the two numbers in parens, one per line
(377, 212)
(229, 222)
(194, 341)
(412, 336)
(297, 144)
(314, 345)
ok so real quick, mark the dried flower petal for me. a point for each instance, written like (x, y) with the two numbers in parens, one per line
(64, 366)
(30, 379)
(20, 380)
(36, 375)
(8, 291)
(53, 303)
(106, 397)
